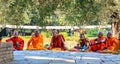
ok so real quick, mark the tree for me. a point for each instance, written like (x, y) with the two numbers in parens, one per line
(44, 12)
(61, 12)
(110, 14)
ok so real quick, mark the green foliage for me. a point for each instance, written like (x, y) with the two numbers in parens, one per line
(47, 34)
(94, 32)
(46, 46)
(65, 34)
(57, 12)
(70, 38)
(26, 37)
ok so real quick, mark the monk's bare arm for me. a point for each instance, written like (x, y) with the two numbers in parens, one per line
(9, 40)
(22, 44)
(101, 41)
(87, 42)
(51, 43)
(63, 40)
(29, 42)
(42, 38)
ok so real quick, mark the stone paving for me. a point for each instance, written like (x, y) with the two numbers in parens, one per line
(63, 57)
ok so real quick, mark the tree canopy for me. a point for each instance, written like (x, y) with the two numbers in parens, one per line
(57, 12)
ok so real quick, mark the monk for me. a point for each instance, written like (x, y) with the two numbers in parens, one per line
(111, 42)
(83, 43)
(18, 43)
(36, 41)
(57, 41)
(98, 44)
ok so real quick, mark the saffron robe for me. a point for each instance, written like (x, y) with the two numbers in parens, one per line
(36, 43)
(98, 44)
(111, 43)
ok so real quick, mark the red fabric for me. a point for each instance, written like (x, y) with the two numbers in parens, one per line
(111, 43)
(57, 42)
(15, 40)
(98, 46)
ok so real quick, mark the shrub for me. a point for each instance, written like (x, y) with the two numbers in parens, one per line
(94, 32)
(65, 34)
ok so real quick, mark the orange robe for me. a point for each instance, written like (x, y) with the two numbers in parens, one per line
(98, 46)
(111, 43)
(57, 42)
(18, 43)
(36, 43)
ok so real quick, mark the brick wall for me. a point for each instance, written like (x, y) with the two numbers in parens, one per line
(6, 53)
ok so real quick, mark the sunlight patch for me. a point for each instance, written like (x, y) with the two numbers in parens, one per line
(89, 58)
(37, 57)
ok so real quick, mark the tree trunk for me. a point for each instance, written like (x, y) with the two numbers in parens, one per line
(116, 27)
(113, 28)
(115, 24)
(116, 32)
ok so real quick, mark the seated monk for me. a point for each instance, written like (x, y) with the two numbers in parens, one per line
(111, 42)
(36, 41)
(98, 44)
(57, 41)
(83, 43)
(18, 43)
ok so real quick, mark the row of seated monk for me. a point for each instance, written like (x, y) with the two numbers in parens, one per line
(57, 41)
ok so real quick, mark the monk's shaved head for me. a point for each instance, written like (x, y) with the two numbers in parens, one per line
(109, 34)
(100, 34)
(55, 32)
(36, 32)
(15, 34)
(82, 36)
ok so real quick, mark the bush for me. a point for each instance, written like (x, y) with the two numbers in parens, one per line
(94, 32)
(65, 34)
(47, 34)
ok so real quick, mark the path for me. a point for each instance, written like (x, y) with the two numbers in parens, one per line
(52, 57)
